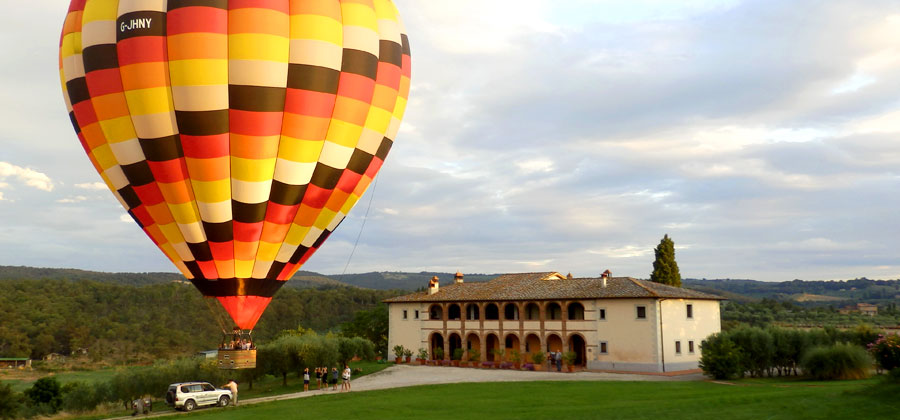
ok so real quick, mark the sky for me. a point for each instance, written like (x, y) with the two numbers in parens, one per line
(762, 136)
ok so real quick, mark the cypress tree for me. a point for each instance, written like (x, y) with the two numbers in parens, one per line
(665, 269)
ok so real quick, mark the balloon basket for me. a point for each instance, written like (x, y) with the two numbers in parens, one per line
(237, 359)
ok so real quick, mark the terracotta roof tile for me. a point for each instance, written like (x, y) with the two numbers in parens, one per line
(552, 285)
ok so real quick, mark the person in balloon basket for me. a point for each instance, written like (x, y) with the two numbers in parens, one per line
(334, 376)
(233, 386)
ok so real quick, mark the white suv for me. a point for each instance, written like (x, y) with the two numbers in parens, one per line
(190, 395)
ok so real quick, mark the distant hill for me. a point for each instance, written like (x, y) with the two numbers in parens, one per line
(803, 292)
(301, 280)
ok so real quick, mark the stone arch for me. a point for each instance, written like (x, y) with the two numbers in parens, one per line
(473, 341)
(453, 312)
(436, 341)
(511, 312)
(554, 343)
(491, 342)
(511, 343)
(575, 311)
(578, 344)
(532, 311)
(435, 311)
(473, 313)
(554, 311)
(532, 344)
(491, 312)
(455, 342)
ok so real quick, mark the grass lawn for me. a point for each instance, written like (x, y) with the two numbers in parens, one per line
(771, 399)
(271, 385)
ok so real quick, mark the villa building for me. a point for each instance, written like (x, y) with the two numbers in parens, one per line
(611, 323)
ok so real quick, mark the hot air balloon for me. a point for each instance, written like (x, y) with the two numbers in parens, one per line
(236, 133)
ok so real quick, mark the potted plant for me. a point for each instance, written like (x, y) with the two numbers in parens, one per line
(474, 357)
(498, 356)
(516, 358)
(569, 357)
(538, 358)
(398, 353)
(422, 356)
(457, 356)
(408, 354)
(439, 355)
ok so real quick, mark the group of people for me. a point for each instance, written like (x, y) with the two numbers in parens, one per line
(241, 344)
(555, 358)
(237, 341)
(324, 378)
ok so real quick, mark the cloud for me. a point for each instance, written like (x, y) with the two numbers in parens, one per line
(75, 199)
(27, 176)
(98, 186)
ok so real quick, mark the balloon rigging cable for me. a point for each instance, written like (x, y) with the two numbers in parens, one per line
(365, 218)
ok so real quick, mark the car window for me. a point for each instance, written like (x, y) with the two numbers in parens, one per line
(196, 388)
(208, 387)
(185, 389)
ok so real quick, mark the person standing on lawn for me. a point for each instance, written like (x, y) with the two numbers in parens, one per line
(334, 376)
(306, 379)
(345, 385)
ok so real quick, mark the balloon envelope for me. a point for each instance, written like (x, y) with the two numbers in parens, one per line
(236, 133)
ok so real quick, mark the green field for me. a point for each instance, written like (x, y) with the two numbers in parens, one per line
(22, 380)
(761, 399)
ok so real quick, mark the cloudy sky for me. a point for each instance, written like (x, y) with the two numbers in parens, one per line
(761, 135)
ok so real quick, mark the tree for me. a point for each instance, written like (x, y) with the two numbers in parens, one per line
(665, 269)
(10, 401)
(720, 357)
(46, 391)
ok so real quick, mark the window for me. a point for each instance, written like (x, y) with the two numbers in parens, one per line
(690, 310)
(417, 314)
(603, 314)
(691, 347)
(603, 349)
(678, 347)
(208, 387)
(404, 314)
(641, 312)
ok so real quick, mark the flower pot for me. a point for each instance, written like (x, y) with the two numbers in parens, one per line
(571, 368)
(407, 358)
(463, 364)
(455, 363)
(517, 365)
(538, 366)
(421, 361)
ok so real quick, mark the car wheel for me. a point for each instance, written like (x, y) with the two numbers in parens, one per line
(190, 405)
(224, 400)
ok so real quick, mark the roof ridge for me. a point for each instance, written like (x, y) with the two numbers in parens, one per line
(637, 282)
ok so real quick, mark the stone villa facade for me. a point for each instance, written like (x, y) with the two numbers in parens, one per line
(611, 323)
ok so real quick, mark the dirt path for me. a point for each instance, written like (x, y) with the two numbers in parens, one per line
(399, 376)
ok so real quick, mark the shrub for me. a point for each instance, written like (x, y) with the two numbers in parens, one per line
(79, 396)
(45, 392)
(474, 355)
(839, 361)
(439, 353)
(423, 354)
(569, 357)
(886, 351)
(457, 354)
(720, 358)
(538, 357)
(10, 402)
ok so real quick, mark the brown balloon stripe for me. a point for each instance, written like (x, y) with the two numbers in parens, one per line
(237, 287)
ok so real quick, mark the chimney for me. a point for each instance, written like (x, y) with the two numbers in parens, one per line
(606, 274)
(433, 285)
(569, 276)
(458, 279)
